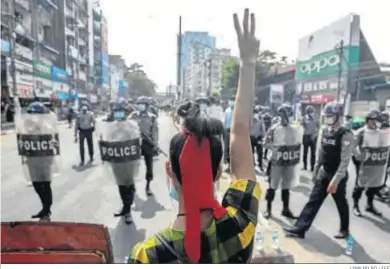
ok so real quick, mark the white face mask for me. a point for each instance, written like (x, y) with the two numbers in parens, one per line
(328, 120)
(203, 107)
(141, 107)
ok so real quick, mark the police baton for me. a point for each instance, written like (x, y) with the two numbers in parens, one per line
(150, 141)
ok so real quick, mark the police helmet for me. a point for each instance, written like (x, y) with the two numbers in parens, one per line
(384, 117)
(285, 111)
(37, 108)
(309, 109)
(333, 109)
(267, 116)
(258, 109)
(142, 100)
(202, 100)
(213, 99)
(373, 115)
(119, 111)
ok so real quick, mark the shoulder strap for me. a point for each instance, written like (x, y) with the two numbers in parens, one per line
(180, 258)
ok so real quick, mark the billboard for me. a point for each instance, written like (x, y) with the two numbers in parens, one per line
(105, 65)
(320, 58)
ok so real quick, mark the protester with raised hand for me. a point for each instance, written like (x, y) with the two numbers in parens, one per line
(226, 231)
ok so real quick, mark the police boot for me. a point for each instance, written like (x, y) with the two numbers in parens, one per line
(286, 212)
(370, 205)
(47, 202)
(125, 208)
(147, 189)
(269, 197)
(356, 194)
(39, 189)
(128, 201)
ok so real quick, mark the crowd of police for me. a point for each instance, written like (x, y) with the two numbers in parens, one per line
(131, 133)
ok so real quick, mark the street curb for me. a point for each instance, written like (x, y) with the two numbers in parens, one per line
(288, 245)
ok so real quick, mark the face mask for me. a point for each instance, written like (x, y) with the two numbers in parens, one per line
(203, 107)
(84, 110)
(311, 115)
(173, 193)
(378, 124)
(141, 107)
(328, 120)
(119, 115)
(231, 104)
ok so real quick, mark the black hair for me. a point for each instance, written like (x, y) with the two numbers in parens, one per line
(201, 127)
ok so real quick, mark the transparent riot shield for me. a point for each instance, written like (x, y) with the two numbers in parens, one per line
(120, 151)
(286, 156)
(375, 147)
(38, 145)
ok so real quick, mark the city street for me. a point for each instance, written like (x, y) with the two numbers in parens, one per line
(89, 196)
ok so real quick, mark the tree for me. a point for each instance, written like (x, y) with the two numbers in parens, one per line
(139, 82)
(230, 73)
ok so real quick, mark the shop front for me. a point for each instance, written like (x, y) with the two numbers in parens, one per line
(43, 81)
(60, 84)
(24, 79)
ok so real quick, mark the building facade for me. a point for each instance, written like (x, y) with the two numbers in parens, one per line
(196, 46)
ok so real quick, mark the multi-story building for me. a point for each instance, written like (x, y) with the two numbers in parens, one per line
(206, 75)
(195, 47)
(100, 51)
(118, 83)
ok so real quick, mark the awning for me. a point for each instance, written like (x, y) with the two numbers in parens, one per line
(50, 49)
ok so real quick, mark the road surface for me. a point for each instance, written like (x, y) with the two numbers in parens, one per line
(89, 196)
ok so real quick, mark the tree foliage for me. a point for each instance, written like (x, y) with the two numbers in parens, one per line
(139, 82)
(267, 62)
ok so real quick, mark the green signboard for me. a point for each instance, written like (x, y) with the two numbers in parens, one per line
(328, 63)
(42, 70)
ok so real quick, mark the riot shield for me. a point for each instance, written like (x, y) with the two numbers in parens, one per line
(286, 155)
(38, 145)
(120, 151)
(375, 147)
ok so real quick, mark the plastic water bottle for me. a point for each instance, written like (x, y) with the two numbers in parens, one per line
(349, 247)
(259, 240)
(126, 259)
(275, 240)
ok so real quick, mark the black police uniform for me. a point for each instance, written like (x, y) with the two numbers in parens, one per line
(329, 162)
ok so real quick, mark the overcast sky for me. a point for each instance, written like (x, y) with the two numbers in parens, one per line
(144, 31)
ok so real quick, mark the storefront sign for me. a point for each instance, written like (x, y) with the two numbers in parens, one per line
(93, 98)
(23, 78)
(317, 66)
(42, 70)
(276, 93)
(5, 47)
(59, 75)
(320, 85)
(23, 52)
(43, 87)
(318, 99)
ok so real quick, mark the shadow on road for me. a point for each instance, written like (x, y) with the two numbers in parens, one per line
(316, 241)
(79, 168)
(124, 237)
(148, 208)
(382, 223)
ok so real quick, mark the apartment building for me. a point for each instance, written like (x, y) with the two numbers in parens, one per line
(206, 75)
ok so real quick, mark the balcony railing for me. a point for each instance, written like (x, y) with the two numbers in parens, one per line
(73, 52)
(69, 32)
(82, 42)
(23, 3)
(82, 75)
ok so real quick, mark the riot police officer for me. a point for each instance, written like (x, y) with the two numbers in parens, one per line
(85, 126)
(371, 157)
(38, 145)
(267, 119)
(257, 135)
(215, 108)
(120, 149)
(147, 122)
(311, 127)
(384, 193)
(204, 104)
(284, 140)
(330, 173)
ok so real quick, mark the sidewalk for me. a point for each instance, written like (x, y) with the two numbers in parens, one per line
(287, 245)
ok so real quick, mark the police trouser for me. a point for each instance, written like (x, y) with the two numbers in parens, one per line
(358, 190)
(258, 148)
(86, 135)
(317, 197)
(309, 143)
(43, 189)
(270, 194)
(148, 153)
(227, 146)
(127, 196)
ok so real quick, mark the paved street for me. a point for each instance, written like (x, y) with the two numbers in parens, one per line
(88, 196)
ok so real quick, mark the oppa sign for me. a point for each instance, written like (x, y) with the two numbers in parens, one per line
(318, 65)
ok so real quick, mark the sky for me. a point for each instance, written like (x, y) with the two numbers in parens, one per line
(144, 31)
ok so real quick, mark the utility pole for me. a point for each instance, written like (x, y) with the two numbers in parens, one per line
(179, 54)
(210, 75)
(340, 52)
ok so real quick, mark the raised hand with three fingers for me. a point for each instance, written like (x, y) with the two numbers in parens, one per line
(247, 41)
